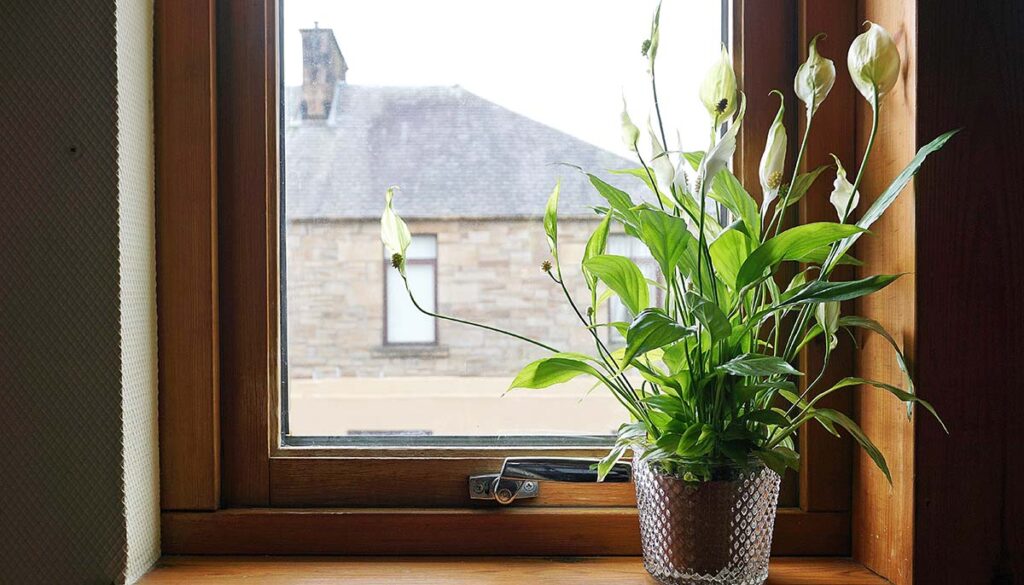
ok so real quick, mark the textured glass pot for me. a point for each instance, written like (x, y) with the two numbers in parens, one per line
(711, 532)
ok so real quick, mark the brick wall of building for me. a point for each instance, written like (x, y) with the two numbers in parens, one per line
(488, 271)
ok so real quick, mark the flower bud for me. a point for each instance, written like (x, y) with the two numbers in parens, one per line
(650, 47)
(874, 62)
(718, 91)
(815, 78)
(842, 192)
(630, 133)
(773, 160)
(394, 233)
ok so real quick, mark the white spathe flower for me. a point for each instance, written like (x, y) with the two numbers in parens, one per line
(630, 133)
(394, 233)
(719, 156)
(874, 62)
(773, 160)
(718, 90)
(815, 78)
(827, 316)
(664, 172)
(843, 198)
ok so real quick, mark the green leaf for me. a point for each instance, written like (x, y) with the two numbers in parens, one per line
(872, 325)
(774, 461)
(791, 244)
(668, 404)
(897, 392)
(819, 255)
(818, 291)
(596, 246)
(617, 198)
(895, 188)
(803, 183)
(855, 431)
(552, 370)
(652, 329)
(694, 158)
(728, 191)
(768, 417)
(728, 253)
(608, 461)
(622, 276)
(754, 364)
(551, 221)
(708, 313)
(667, 238)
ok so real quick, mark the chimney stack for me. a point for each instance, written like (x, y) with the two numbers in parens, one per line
(323, 67)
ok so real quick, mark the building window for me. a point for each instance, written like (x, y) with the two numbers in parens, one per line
(632, 248)
(403, 322)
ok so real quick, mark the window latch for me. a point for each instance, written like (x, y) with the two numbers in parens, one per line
(520, 476)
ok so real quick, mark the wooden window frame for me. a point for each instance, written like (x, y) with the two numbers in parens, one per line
(414, 262)
(228, 486)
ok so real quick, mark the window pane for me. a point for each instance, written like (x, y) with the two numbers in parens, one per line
(468, 107)
(406, 324)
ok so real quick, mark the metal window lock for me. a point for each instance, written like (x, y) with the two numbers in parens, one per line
(520, 476)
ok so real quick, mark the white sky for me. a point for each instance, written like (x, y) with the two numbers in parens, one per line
(565, 63)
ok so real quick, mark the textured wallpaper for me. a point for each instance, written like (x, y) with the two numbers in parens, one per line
(138, 283)
(77, 383)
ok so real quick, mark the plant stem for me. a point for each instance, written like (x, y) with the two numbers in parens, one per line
(780, 213)
(654, 182)
(471, 323)
(657, 108)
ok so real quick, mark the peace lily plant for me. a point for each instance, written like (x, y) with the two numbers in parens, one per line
(710, 374)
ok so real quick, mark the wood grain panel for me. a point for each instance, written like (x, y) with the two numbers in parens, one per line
(247, 161)
(884, 516)
(969, 515)
(475, 571)
(405, 482)
(510, 531)
(186, 199)
(826, 460)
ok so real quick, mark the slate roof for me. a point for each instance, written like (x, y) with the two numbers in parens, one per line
(453, 153)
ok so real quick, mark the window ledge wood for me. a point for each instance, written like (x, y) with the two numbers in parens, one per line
(470, 570)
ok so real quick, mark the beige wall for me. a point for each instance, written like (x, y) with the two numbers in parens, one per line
(488, 271)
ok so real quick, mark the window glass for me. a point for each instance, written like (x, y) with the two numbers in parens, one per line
(405, 323)
(469, 108)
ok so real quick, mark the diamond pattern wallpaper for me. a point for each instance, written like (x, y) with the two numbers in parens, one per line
(75, 298)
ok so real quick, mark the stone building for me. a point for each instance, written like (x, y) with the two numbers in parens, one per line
(474, 178)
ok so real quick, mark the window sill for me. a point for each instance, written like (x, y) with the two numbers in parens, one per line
(470, 570)
(411, 351)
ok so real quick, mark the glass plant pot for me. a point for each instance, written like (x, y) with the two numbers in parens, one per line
(707, 532)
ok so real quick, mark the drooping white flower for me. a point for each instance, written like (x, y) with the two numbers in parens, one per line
(773, 160)
(394, 232)
(664, 172)
(827, 316)
(874, 62)
(815, 78)
(718, 90)
(719, 156)
(630, 133)
(842, 192)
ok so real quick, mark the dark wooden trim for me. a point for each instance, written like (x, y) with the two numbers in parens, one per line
(247, 172)
(827, 461)
(970, 309)
(511, 531)
(186, 209)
